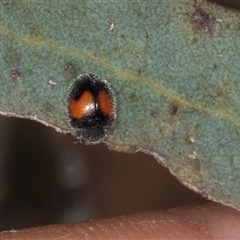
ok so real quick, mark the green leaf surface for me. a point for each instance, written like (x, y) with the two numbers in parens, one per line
(173, 64)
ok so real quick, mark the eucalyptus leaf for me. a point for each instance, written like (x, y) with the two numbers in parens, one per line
(174, 66)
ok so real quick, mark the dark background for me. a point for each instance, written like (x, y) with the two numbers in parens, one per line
(45, 178)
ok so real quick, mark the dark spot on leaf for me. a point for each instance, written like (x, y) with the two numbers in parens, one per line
(37, 31)
(231, 163)
(172, 112)
(224, 93)
(204, 21)
(15, 74)
(133, 97)
(194, 40)
(173, 109)
(153, 113)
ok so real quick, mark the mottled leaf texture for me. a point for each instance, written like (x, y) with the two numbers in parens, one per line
(174, 66)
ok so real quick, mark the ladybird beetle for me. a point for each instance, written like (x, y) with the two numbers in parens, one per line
(91, 108)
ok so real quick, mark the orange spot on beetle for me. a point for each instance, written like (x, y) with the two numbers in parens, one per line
(106, 104)
(83, 106)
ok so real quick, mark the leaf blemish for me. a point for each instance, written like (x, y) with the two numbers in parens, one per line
(153, 113)
(133, 97)
(15, 74)
(190, 140)
(111, 26)
(224, 93)
(204, 21)
(193, 155)
(172, 112)
(173, 109)
(52, 83)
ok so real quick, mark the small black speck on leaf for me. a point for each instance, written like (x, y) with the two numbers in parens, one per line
(15, 74)
(173, 109)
